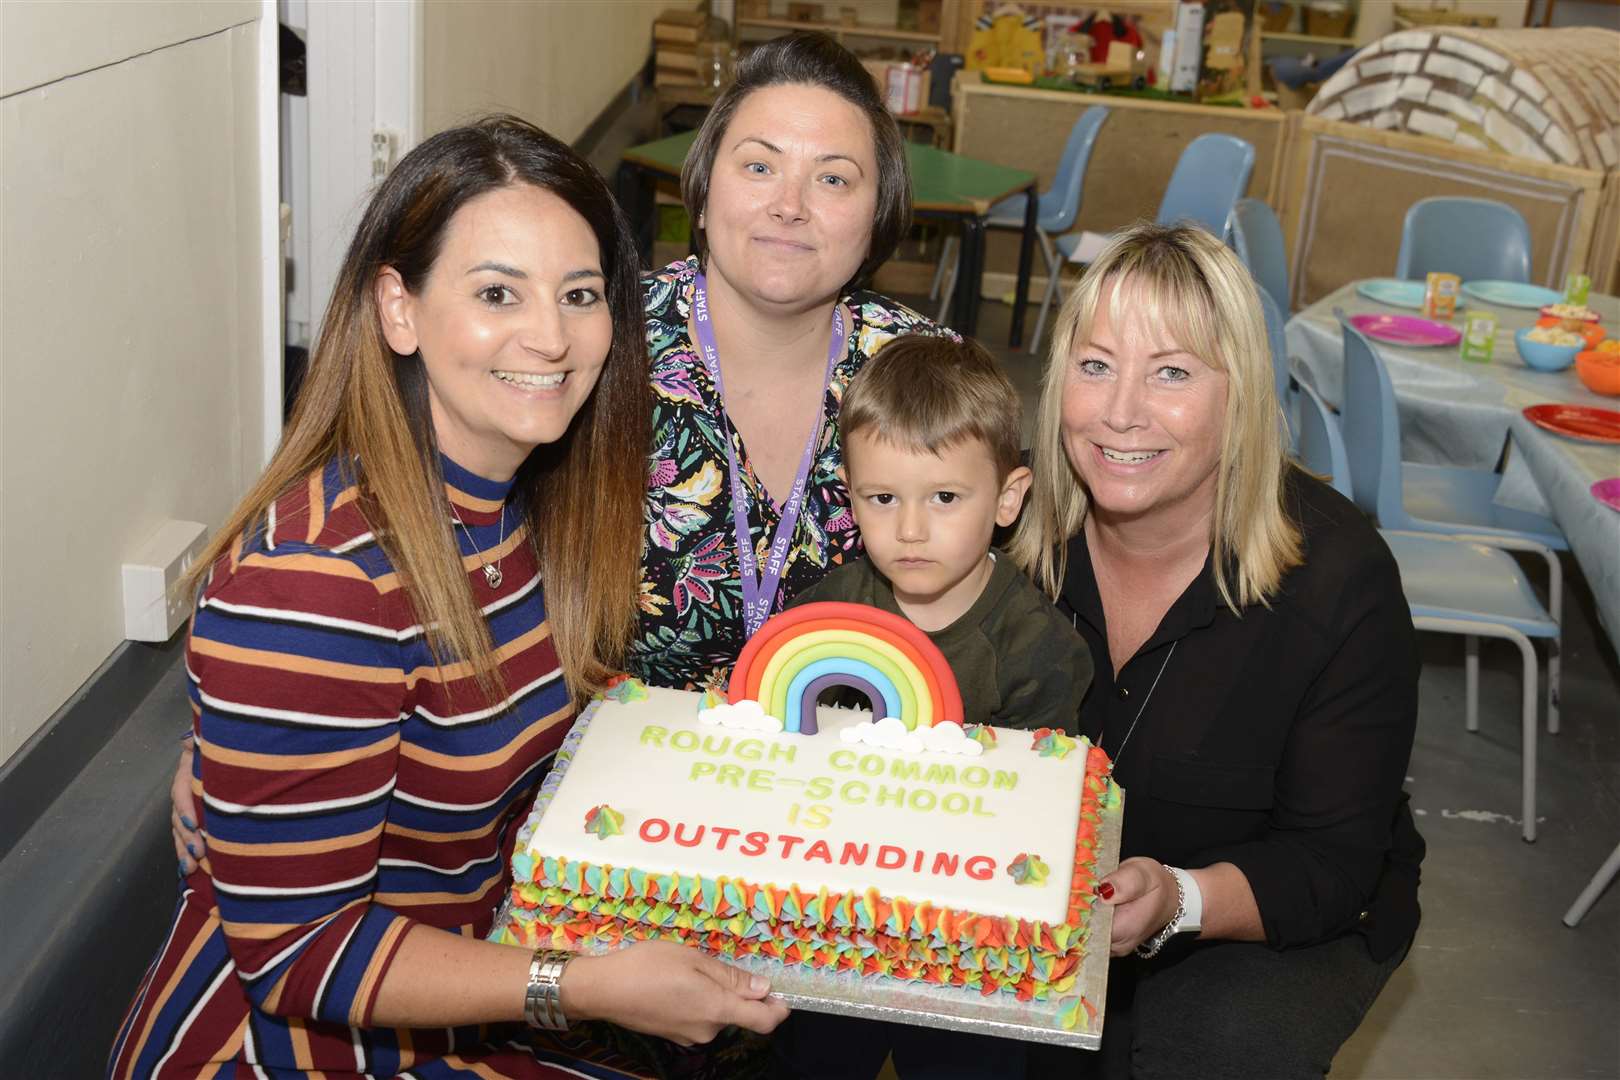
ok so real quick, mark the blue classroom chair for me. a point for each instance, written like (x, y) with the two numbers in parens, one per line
(1258, 238)
(1453, 585)
(1444, 499)
(1055, 211)
(1476, 239)
(1209, 178)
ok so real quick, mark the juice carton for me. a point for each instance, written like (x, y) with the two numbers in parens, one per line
(1479, 336)
(1440, 296)
(1576, 289)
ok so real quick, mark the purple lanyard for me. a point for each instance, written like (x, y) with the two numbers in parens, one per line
(759, 587)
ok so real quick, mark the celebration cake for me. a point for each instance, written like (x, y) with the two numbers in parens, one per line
(887, 842)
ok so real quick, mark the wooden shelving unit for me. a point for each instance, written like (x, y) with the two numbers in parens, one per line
(839, 31)
(1305, 39)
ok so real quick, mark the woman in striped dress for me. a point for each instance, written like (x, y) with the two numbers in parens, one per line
(377, 677)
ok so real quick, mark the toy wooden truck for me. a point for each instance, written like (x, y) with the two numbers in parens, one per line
(1121, 68)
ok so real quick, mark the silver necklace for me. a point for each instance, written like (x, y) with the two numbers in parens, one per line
(492, 574)
(1113, 761)
(1120, 749)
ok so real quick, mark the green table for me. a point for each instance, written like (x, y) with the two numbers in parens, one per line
(943, 184)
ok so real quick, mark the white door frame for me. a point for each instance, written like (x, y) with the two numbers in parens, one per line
(267, 98)
(365, 80)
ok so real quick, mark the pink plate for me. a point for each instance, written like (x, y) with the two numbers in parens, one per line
(1406, 330)
(1577, 421)
(1607, 492)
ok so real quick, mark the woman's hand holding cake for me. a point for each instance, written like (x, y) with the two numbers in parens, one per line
(661, 988)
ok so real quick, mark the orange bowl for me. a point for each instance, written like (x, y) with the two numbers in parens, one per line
(1576, 324)
(1593, 333)
(1600, 371)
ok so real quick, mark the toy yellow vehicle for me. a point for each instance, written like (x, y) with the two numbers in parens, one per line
(1121, 68)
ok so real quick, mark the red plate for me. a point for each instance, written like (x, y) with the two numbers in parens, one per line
(1577, 421)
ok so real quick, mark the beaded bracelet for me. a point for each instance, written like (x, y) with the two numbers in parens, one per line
(542, 1000)
(1150, 948)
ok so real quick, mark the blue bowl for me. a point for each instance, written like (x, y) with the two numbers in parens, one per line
(1542, 356)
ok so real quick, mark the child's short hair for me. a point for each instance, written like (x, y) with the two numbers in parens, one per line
(928, 393)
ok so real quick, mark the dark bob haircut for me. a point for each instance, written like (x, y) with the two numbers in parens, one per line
(809, 59)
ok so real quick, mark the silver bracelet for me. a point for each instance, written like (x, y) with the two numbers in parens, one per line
(542, 1001)
(1150, 948)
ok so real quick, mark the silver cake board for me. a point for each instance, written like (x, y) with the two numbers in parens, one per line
(957, 1008)
(953, 1008)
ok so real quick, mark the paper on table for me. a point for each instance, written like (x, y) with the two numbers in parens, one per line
(1091, 246)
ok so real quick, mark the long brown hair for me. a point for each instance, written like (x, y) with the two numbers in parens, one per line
(362, 402)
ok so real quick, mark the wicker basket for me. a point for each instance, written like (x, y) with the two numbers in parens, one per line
(1329, 21)
(1275, 17)
(1407, 17)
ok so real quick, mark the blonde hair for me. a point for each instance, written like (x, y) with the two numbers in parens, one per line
(925, 392)
(363, 402)
(1192, 286)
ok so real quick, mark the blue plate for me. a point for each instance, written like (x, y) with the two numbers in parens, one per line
(1512, 294)
(1395, 292)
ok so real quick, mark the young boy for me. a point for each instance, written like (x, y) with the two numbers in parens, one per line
(931, 429)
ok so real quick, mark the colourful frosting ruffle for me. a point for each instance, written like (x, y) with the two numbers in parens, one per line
(1028, 870)
(625, 689)
(1052, 743)
(604, 821)
(983, 734)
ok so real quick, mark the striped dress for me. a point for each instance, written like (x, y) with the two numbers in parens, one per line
(350, 789)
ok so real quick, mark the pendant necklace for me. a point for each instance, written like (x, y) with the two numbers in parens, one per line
(492, 574)
(1113, 761)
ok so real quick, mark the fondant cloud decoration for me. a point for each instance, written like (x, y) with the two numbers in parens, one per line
(890, 733)
(744, 715)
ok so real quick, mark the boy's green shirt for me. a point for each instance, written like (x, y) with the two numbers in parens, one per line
(1017, 662)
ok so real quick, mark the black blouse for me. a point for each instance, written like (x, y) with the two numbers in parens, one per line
(1277, 741)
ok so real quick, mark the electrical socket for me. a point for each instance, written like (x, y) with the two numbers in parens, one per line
(153, 608)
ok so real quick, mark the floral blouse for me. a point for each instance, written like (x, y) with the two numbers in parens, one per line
(690, 626)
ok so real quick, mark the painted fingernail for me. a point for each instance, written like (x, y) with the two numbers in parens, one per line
(1105, 890)
(187, 822)
(193, 849)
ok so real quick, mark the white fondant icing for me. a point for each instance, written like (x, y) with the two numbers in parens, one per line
(671, 775)
(747, 715)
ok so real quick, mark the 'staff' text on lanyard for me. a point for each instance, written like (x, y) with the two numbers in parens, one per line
(760, 586)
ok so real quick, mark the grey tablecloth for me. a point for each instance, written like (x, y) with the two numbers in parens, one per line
(1456, 412)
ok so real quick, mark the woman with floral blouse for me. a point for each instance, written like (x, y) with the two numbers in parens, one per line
(799, 187)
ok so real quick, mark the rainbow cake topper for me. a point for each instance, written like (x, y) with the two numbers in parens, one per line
(800, 653)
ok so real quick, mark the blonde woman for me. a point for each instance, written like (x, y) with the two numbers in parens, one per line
(391, 633)
(1256, 675)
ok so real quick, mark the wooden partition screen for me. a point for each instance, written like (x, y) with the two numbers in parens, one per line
(1135, 152)
(1348, 189)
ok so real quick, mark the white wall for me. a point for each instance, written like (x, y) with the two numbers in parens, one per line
(557, 63)
(131, 382)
